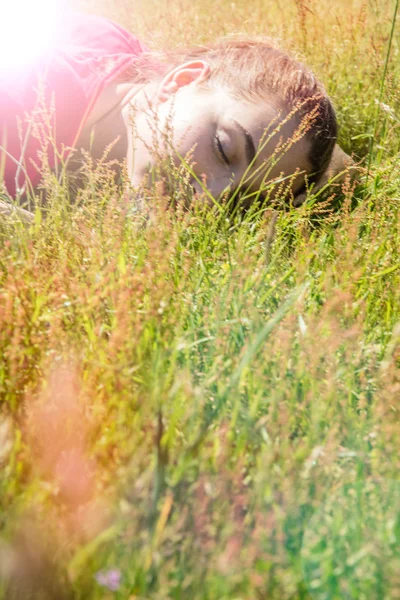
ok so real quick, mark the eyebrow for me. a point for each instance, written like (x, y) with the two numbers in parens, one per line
(249, 143)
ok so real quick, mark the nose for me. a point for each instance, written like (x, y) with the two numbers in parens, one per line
(211, 188)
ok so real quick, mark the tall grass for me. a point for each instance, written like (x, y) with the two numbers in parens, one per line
(201, 405)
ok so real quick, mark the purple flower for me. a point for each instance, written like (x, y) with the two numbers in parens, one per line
(109, 579)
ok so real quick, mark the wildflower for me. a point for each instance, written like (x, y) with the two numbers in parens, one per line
(110, 579)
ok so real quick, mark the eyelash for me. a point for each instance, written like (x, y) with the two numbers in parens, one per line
(220, 150)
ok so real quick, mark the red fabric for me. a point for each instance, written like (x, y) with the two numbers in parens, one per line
(89, 53)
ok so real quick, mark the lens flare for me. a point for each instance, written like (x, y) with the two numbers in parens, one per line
(27, 30)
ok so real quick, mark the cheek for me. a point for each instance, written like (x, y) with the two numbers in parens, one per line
(190, 137)
(190, 128)
(187, 133)
(205, 164)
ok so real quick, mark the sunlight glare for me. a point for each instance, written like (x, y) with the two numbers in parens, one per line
(26, 31)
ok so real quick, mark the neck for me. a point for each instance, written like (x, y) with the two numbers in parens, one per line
(112, 99)
(107, 125)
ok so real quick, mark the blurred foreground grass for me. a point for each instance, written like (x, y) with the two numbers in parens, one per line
(201, 406)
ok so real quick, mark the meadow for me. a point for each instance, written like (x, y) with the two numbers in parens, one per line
(199, 404)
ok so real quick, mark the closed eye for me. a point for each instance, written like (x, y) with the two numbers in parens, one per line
(220, 149)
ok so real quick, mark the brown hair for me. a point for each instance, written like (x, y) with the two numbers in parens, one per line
(252, 70)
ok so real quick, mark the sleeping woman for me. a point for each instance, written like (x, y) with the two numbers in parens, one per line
(245, 112)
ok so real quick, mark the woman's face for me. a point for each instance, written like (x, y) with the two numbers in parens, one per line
(219, 133)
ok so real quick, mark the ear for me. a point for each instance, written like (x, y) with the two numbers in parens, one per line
(196, 70)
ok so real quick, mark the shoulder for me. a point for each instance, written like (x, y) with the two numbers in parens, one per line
(94, 33)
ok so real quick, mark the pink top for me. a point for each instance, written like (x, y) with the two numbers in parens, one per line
(88, 54)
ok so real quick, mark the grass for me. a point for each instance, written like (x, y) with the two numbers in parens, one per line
(200, 406)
